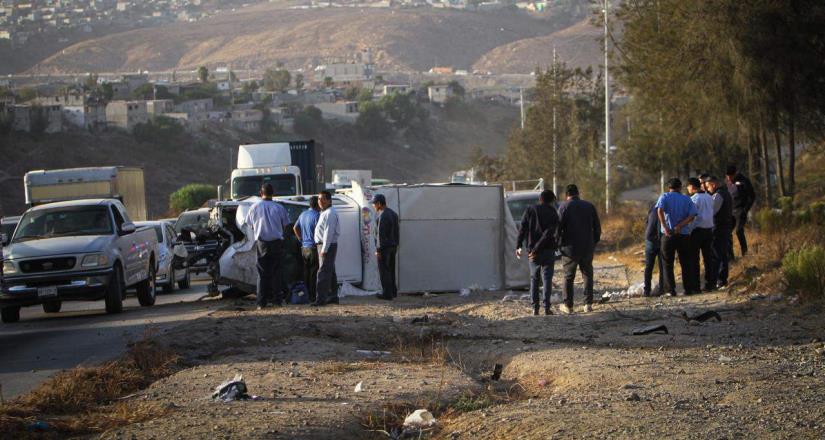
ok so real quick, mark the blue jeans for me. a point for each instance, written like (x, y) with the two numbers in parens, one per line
(541, 270)
(652, 253)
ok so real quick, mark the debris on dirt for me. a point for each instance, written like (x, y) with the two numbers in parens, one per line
(633, 397)
(39, 426)
(233, 389)
(509, 297)
(359, 387)
(650, 329)
(497, 369)
(373, 353)
(725, 359)
(464, 292)
(757, 297)
(420, 418)
(525, 296)
(631, 386)
(702, 317)
(420, 320)
(605, 298)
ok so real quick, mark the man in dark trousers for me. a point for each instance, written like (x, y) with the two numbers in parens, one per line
(701, 238)
(267, 218)
(579, 231)
(722, 227)
(327, 232)
(743, 198)
(304, 229)
(676, 211)
(653, 252)
(538, 227)
(386, 246)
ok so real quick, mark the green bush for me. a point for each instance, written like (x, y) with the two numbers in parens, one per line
(804, 270)
(785, 205)
(191, 196)
(158, 130)
(769, 221)
(817, 210)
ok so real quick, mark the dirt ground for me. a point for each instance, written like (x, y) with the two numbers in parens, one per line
(756, 374)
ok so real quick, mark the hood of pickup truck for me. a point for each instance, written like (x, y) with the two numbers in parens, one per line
(57, 246)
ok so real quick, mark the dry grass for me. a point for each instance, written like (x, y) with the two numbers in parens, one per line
(623, 228)
(335, 368)
(83, 400)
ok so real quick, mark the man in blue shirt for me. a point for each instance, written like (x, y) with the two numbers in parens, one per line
(675, 211)
(267, 218)
(305, 231)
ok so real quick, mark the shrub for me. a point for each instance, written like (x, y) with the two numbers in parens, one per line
(785, 205)
(191, 196)
(817, 210)
(158, 130)
(804, 270)
(769, 221)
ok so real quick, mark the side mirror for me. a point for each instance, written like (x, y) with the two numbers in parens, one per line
(127, 228)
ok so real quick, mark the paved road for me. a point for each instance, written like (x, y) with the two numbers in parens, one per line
(82, 333)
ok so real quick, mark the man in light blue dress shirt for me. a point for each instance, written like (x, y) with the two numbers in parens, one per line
(267, 218)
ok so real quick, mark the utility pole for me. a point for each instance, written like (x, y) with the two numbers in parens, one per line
(521, 101)
(606, 117)
(556, 94)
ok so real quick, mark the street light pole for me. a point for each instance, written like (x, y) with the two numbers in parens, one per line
(556, 94)
(606, 117)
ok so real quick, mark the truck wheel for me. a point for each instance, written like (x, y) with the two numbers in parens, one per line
(114, 293)
(170, 286)
(186, 281)
(10, 314)
(146, 289)
(52, 306)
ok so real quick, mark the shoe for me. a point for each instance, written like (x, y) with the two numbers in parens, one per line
(565, 310)
(587, 308)
(334, 301)
(385, 298)
(722, 285)
(646, 293)
(535, 310)
(547, 311)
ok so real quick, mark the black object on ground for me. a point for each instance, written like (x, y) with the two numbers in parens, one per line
(421, 319)
(497, 372)
(702, 317)
(233, 389)
(658, 328)
(604, 300)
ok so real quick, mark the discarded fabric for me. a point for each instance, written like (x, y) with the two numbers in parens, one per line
(702, 317)
(233, 389)
(420, 418)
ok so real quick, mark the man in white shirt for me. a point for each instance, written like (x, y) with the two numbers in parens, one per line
(267, 219)
(326, 238)
(701, 238)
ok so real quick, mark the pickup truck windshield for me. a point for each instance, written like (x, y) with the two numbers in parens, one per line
(248, 186)
(62, 222)
(193, 221)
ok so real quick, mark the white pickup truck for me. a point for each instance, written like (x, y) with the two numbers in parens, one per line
(77, 250)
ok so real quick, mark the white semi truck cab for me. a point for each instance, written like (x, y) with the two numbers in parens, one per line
(293, 168)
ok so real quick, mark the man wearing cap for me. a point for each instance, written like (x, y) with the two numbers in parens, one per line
(267, 218)
(676, 211)
(304, 229)
(386, 246)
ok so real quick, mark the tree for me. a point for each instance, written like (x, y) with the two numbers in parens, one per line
(249, 86)
(328, 81)
(203, 74)
(309, 121)
(108, 91)
(151, 91)
(371, 122)
(276, 80)
(399, 108)
(90, 83)
(26, 94)
(299, 81)
(457, 88)
(158, 130)
(191, 196)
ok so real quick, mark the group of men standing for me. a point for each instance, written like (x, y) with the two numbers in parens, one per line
(699, 224)
(570, 231)
(318, 231)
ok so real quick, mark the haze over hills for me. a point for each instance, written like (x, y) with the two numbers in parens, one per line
(400, 39)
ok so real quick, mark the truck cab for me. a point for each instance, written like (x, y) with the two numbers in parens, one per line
(293, 168)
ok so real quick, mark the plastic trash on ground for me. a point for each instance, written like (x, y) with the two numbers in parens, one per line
(420, 418)
(359, 387)
(233, 389)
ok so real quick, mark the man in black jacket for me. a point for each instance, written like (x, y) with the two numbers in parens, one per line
(722, 227)
(743, 198)
(538, 227)
(579, 231)
(653, 253)
(386, 245)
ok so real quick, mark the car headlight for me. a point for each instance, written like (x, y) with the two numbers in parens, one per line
(96, 260)
(9, 268)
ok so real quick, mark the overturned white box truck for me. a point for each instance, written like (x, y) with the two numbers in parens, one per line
(112, 182)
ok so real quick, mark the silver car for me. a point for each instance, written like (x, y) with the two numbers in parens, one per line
(168, 249)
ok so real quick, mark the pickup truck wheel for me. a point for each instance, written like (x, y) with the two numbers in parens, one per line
(170, 286)
(10, 314)
(52, 306)
(186, 281)
(114, 293)
(146, 290)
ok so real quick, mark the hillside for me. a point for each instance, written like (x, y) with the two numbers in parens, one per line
(428, 154)
(577, 45)
(258, 36)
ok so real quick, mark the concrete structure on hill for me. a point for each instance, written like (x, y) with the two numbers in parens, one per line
(345, 111)
(390, 89)
(248, 120)
(343, 72)
(439, 94)
(89, 115)
(36, 118)
(126, 114)
(157, 107)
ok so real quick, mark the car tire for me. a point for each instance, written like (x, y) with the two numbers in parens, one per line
(170, 286)
(52, 306)
(147, 289)
(186, 281)
(10, 314)
(114, 293)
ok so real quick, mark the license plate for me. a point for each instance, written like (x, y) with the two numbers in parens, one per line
(46, 292)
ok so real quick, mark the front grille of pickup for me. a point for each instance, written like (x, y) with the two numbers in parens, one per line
(48, 265)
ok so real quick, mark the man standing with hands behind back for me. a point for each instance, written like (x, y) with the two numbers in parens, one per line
(267, 218)
(326, 239)
(676, 211)
(387, 246)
